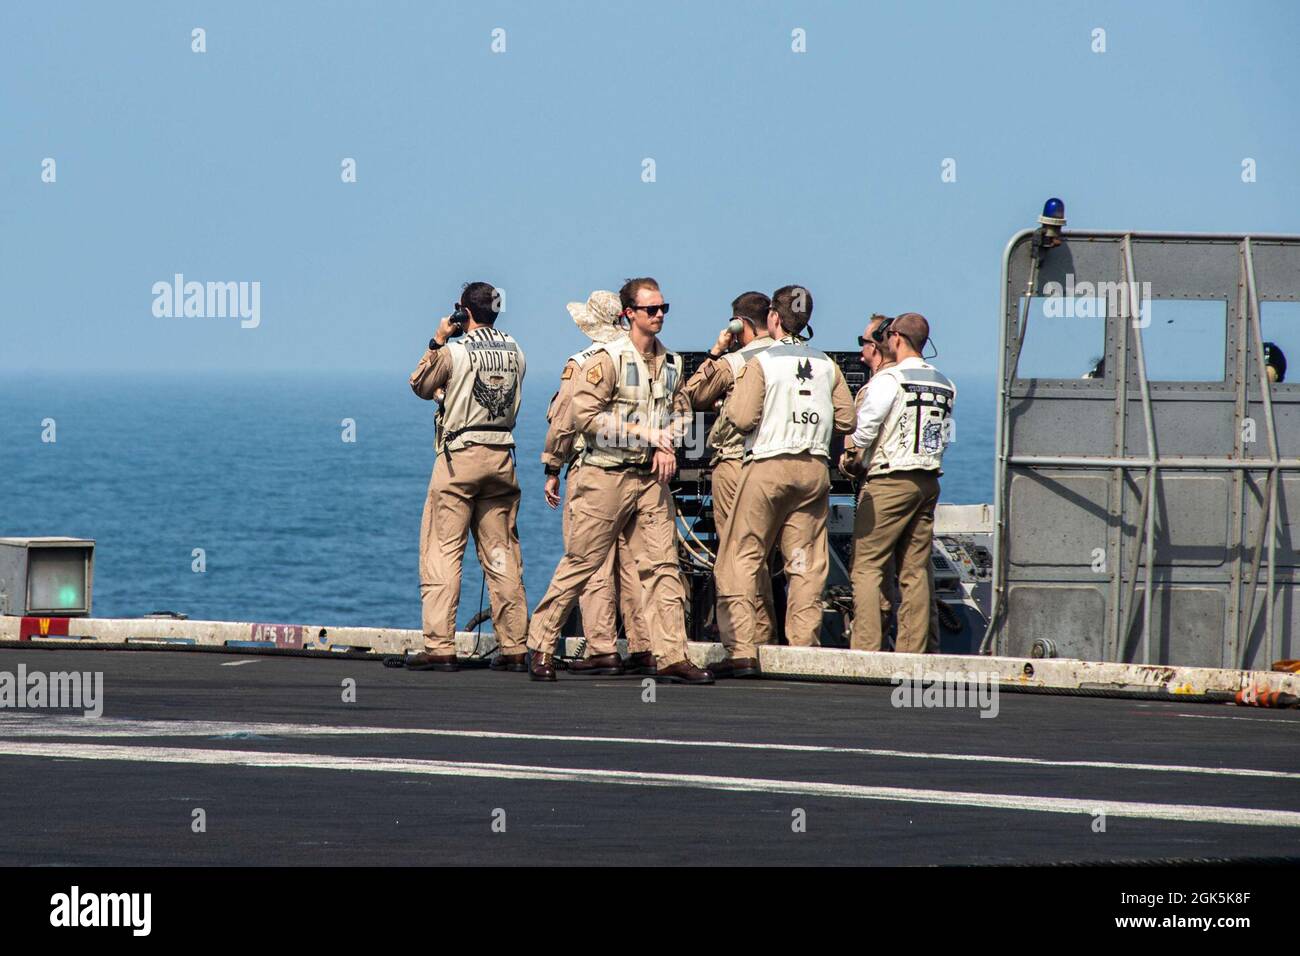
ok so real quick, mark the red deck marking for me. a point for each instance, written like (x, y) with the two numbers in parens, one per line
(282, 635)
(31, 627)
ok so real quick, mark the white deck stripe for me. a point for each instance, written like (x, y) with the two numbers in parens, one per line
(1280, 721)
(1187, 813)
(15, 725)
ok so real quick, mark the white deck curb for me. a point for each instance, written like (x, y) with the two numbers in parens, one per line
(816, 663)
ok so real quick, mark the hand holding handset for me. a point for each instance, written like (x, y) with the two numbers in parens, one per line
(451, 325)
(728, 339)
(459, 319)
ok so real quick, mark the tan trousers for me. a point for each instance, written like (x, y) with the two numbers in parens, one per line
(889, 599)
(475, 492)
(615, 586)
(726, 483)
(894, 525)
(781, 501)
(604, 504)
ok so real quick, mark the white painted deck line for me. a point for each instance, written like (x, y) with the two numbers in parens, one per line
(13, 725)
(1185, 813)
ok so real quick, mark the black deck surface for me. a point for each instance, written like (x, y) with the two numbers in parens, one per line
(61, 808)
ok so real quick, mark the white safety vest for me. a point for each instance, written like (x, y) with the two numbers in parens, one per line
(727, 443)
(918, 427)
(483, 391)
(798, 411)
(637, 398)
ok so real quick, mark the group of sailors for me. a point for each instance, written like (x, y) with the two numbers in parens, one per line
(622, 408)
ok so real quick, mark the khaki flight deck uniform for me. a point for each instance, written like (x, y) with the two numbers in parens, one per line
(888, 595)
(710, 385)
(615, 584)
(473, 486)
(788, 401)
(903, 426)
(613, 492)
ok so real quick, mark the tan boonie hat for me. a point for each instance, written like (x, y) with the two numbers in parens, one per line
(598, 317)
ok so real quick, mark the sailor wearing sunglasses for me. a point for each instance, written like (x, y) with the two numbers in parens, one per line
(903, 426)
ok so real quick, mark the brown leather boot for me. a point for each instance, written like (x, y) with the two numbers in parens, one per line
(598, 665)
(642, 662)
(735, 667)
(515, 663)
(542, 666)
(424, 661)
(683, 672)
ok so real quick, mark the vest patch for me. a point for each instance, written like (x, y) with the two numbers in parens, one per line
(495, 393)
(932, 438)
(594, 374)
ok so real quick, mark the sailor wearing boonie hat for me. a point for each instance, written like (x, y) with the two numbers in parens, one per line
(605, 594)
(629, 406)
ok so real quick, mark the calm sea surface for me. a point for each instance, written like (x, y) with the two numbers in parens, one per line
(297, 526)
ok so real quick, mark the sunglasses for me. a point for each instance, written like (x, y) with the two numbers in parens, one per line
(652, 309)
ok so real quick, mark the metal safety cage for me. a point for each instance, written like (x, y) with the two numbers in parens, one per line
(1137, 502)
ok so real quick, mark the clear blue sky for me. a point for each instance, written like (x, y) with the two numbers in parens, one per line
(524, 168)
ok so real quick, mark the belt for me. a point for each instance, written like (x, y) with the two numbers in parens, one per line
(906, 472)
(448, 439)
(629, 466)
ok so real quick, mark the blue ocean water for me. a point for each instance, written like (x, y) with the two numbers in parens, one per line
(297, 525)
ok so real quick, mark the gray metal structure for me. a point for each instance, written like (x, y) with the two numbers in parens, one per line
(1204, 570)
(25, 574)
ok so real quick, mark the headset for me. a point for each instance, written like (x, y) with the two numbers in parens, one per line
(880, 331)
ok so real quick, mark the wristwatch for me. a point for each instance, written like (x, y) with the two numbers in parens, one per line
(552, 471)
(715, 357)
(434, 345)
